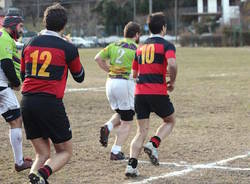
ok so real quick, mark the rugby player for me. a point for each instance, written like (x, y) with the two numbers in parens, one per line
(153, 60)
(9, 81)
(119, 87)
(45, 62)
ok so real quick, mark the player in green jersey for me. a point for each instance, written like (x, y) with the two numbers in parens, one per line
(119, 87)
(9, 81)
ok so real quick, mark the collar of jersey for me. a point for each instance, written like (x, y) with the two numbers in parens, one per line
(156, 35)
(129, 40)
(50, 33)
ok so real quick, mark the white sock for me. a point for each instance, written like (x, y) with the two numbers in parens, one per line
(15, 135)
(116, 149)
(110, 125)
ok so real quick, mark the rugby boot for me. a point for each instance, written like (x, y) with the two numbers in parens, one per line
(118, 156)
(131, 172)
(27, 163)
(36, 178)
(104, 135)
(152, 153)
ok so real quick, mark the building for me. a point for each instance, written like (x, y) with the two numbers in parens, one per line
(226, 11)
(5, 5)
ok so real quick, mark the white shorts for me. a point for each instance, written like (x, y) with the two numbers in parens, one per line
(8, 100)
(120, 93)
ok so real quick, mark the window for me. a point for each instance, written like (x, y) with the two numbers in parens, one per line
(233, 2)
(204, 5)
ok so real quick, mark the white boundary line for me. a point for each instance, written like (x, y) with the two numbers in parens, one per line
(191, 168)
(69, 90)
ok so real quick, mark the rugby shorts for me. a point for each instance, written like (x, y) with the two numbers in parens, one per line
(9, 105)
(45, 117)
(120, 93)
(159, 104)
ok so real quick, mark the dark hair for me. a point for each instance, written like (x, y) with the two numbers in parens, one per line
(55, 17)
(131, 29)
(155, 22)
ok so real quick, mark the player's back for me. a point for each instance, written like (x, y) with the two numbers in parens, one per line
(121, 56)
(151, 63)
(45, 62)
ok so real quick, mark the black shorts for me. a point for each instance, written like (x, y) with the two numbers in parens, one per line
(160, 104)
(45, 116)
(11, 115)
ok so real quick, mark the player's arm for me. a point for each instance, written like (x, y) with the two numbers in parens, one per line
(101, 58)
(172, 67)
(135, 67)
(75, 66)
(102, 63)
(9, 70)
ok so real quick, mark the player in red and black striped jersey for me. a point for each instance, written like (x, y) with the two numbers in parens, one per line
(45, 62)
(153, 61)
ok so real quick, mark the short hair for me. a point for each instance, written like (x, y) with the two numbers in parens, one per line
(55, 17)
(131, 29)
(155, 22)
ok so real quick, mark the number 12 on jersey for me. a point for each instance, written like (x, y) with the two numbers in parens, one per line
(44, 55)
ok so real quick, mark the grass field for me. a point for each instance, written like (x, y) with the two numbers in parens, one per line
(209, 144)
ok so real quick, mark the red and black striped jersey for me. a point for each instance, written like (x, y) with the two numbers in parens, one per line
(44, 65)
(151, 63)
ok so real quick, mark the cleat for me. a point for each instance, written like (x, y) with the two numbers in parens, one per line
(27, 163)
(152, 153)
(131, 172)
(118, 156)
(36, 178)
(104, 135)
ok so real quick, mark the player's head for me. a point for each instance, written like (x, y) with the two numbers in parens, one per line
(55, 17)
(132, 30)
(14, 22)
(156, 23)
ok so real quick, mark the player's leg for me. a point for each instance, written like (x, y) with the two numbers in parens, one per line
(13, 117)
(42, 151)
(166, 127)
(142, 110)
(45, 165)
(165, 109)
(122, 133)
(113, 122)
(136, 146)
(123, 93)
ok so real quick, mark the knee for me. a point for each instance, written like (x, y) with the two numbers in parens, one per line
(169, 119)
(17, 123)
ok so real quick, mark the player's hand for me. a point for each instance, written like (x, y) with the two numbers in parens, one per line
(170, 86)
(16, 88)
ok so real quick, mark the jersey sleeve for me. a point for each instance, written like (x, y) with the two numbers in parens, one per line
(135, 63)
(104, 53)
(74, 64)
(170, 51)
(6, 51)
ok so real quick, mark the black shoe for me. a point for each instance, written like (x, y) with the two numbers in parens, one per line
(118, 156)
(104, 135)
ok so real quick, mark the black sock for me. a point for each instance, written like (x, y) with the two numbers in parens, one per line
(155, 141)
(45, 171)
(133, 162)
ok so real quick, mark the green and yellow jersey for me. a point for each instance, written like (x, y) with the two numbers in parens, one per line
(8, 50)
(121, 55)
